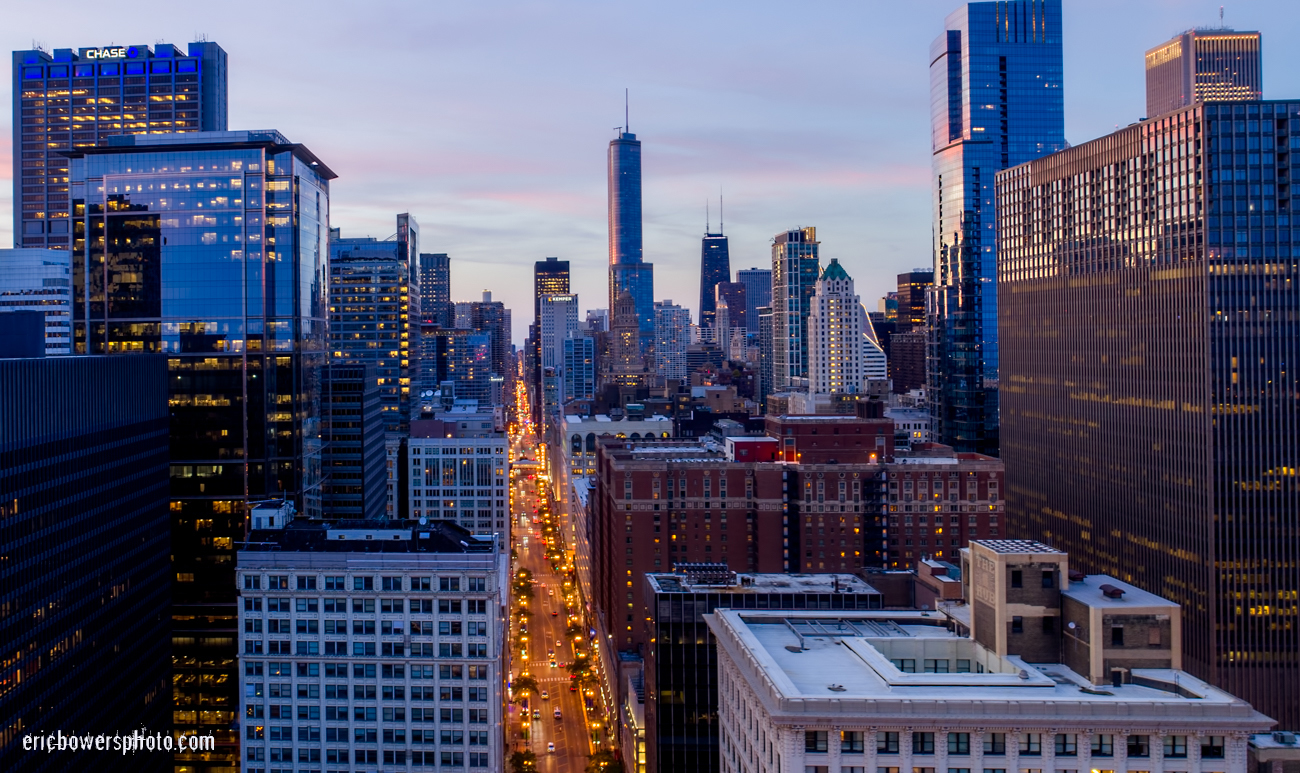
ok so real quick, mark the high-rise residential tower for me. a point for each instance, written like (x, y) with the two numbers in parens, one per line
(1149, 424)
(715, 267)
(172, 254)
(672, 335)
(627, 267)
(550, 277)
(995, 86)
(795, 267)
(733, 295)
(435, 289)
(758, 293)
(1220, 65)
(78, 98)
(835, 344)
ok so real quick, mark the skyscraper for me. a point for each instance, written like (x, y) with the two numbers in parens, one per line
(1150, 358)
(354, 462)
(733, 294)
(995, 85)
(579, 366)
(40, 280)
(435, 289)
(835, 343)
(244, 335)
(672, 335)
(627, 268)
(715, 267)
(80, 97)
(371, 315)
(765, 347)
(912, 288)
(906, 342)
(625, 342)
(87, 571)
(758, 293)
(1203, 66)
(550, 277)
(795, 267)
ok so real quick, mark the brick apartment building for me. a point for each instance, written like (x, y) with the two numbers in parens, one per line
(837, 501)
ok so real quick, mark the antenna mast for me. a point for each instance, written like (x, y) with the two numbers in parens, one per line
(707, 229)
(721, 219)
(626, 127)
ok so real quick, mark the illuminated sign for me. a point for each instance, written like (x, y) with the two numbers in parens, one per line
(104, 53)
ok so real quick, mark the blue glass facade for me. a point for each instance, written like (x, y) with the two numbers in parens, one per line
(76, 98)
(627, 269)
(211, 248)
(996, 101)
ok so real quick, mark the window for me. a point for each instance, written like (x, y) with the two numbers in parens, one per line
(852, 741)
(252, 582)
(1049, 578)
(421, 583)
(1212, 747)
(1031, 744)
(959, 743)
(1049, 624)
(478, 584)
(1017, 624)
(1153, 636)
(1139, 746)
(815, 741)
(1175, 746)
(392, 583)
(1103, 745)
(279, 582)
(363, 583)
(334, 583)
(887, 743)
(306, 583)
(922, 743)
(1117, 636)
(1017, 578)
(448, 583)
(996, 744)
(306, 605)
(1066, 744)
(939, 666)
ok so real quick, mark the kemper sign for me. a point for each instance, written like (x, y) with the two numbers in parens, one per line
(104, 53)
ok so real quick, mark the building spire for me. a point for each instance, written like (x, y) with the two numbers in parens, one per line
(627, 129)
(720, 218)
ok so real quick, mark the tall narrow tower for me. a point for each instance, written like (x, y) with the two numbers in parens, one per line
(627, 269)
(795, 267)
(995, 82)
(715, 267)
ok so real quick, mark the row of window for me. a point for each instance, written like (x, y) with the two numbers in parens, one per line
(1031, 744)
(256, 711)
(367, 606)
(367, 627)
(445, 759)
(312, 734)
(367, 649)
(361, 583)
(253, 668)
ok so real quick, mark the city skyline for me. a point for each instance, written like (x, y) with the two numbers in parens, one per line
(855, 163)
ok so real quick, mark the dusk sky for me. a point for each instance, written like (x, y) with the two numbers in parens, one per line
(489, 121)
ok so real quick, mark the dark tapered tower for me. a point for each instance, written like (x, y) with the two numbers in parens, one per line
(715, 267)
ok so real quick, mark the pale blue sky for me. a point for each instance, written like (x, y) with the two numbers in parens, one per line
(489, 120)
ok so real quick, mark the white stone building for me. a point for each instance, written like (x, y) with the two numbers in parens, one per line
(459, 471)
(835, 345)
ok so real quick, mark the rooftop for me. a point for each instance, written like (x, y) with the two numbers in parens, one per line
(908, 664)
(1017, 546)
(369, 536)
(682, 582)
(268, 138)
(1092, 591)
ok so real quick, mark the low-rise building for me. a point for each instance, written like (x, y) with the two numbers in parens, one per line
(1042, 682)
(371, 643)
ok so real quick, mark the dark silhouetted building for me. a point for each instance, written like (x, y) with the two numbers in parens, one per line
(354, 465)
(715, 267)
(732, 294)
(86, 580)
(130, 89)
(1149, 418)
(1211, 65)
(681, 667)
(997, 101)
(435, 289)
(758, 292)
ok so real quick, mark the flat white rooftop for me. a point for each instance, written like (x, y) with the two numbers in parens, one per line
(902, 664)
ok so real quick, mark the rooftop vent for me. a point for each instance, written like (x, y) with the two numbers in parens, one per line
(794, 648)
(1077, 576)
(1111, 592)
(1286, 739)
(835, 687)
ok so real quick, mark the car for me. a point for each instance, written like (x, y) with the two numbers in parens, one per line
(550, 747)
(545, 695)
(559, 643)
(554, 613)
(537, 713)
(557, 714)
(573, 688)
(553, 663)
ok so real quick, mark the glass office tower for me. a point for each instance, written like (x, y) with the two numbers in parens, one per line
(758, 293)
(996, 101)
(211, 248)
(715, 267)
(1150, 294)
(1201, 66)
(795, 268)
(435, 289)
(78, 98)
(627, 268)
